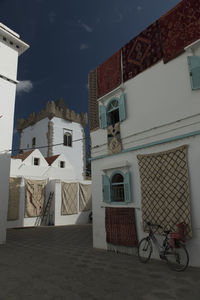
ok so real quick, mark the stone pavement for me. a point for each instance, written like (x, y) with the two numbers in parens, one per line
(60, 263)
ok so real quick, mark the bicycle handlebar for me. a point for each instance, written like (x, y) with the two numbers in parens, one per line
(153, 225)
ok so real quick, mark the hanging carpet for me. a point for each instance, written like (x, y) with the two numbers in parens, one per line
(121, 227)
(109, 74)
(35, 197)
(85, 197)
(69, 193)
(13, 200)
(179, 28)
(142, 52)
(93, 103)
(165, 188)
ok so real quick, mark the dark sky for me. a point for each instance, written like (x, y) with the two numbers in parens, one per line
(67, 40)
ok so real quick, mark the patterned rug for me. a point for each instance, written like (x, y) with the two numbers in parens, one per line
(179, 28)
(93, 104)
(35, 197)
(191, 12)
(69, 193)
(165, 188)
(85, 197)
(13, 200)
(109, 74)
(121, 227)
(142, 52)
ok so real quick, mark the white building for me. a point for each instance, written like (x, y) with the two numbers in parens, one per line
(33, 177)
(60, 130)
(150, 114)
(11, 46)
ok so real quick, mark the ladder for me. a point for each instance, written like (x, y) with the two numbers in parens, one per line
(44, 217)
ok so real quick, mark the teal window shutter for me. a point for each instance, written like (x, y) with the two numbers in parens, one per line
(127, 187)
(122, 108)
(103, 116)
(106, 189)
(194, 68)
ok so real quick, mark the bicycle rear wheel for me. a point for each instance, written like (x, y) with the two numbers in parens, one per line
(144, 250)
(177, 258)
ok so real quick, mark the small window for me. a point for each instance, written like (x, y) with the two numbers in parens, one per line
(117, 188)
(33, 142)
(67, 139)
(62, 164)
(36, 161)
(113, 113)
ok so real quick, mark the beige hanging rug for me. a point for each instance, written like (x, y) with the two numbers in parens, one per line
(165, 188)
(35, 197)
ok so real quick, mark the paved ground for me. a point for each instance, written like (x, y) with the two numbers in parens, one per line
(60, 263)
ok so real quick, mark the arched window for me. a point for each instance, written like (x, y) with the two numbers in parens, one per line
(113, 112)
(67, 139)
(117, 188)
(33, 142)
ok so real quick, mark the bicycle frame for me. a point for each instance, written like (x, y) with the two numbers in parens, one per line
(160, 248)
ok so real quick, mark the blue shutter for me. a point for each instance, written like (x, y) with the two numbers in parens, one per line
(122, 108)
(194, 68)
(127, 187)
(106, 189)
(102, 116)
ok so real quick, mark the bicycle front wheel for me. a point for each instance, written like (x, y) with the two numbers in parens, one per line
(177, 258)
(144, 250)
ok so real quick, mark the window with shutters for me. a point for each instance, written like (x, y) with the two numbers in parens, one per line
(117, 188)
(114, 112)
(194, 69)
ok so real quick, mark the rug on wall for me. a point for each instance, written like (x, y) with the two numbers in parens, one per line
(109, 74)
(114, 139)
(191, 12)
(35, 197)
(85, 197)
(121, 227)
(93, 103)
(142, 52)
(165, 188)
(69, 192)
(14, 198)
(179, 27)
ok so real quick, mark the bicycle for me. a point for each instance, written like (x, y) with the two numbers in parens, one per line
(172, 250)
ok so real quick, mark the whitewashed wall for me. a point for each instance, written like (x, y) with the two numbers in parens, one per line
(8, 69)
(38, 130)
(160, 107)
(73, 154)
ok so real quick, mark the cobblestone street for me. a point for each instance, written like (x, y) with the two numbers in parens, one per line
(60, 263)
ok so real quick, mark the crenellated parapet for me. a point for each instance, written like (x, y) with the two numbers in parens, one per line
(53, 109)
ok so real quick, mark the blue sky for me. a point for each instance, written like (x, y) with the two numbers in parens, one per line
(67, 40)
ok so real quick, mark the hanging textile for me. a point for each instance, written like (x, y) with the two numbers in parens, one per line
(179, 28)
(114, 139)
(69, 192)
(120, 226)
(165, 188)
(35, 197)
(13, 200)
(142, 52)
(109, 74)
(85, 197)
(93, 103)
(191, 12)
